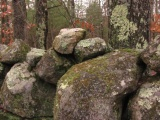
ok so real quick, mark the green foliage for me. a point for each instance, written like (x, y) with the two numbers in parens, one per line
(94, 14)
(121, 23)
(58, 17)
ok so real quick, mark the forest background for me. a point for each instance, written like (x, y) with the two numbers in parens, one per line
(37, 22)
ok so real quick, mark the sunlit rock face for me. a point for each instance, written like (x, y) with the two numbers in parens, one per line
(67, 39)
(94, 90)
(24, 95)
(145, 104)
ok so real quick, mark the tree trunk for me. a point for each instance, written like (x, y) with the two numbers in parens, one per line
(19, 19)
(133, 27)
(6, 32)
(42, 24)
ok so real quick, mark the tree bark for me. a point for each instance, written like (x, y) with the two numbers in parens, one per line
(42, 24)
(138, 16)
(19, 19)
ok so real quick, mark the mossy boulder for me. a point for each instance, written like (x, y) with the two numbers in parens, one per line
(151, 55)
(24, 95)
(95, 89)
(89, 48)
(145, 104)
(34, 56)
(52, 66)
(67, 39)
(15, 53)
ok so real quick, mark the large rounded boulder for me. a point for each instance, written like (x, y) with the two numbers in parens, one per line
(24, 95)
(95, 89)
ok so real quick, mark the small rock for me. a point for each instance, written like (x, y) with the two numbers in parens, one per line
(52, 66)
(15, 53)
(67, 39)
(151, 55)
(34, 56)
(89, 48)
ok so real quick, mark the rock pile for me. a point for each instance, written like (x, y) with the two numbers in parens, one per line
(77, 80)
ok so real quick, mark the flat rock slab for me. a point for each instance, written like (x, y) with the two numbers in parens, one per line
(67, 39)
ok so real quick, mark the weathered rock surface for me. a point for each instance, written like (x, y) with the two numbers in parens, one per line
(151, 55)
(2, 48)
(94, 90)
(22, 94)
(52, 66)
(34, 56)
(89, 48)
(15, 53)
(67, 39)
(145, 105)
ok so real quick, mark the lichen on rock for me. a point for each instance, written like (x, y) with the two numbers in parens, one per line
(26, 96)
(145, 104)
(89, 48)
(95, 89)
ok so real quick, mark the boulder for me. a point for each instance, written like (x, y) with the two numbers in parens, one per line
(15, 53)
(24, 95)
(95, 89)
(89, 48)
(145, 104)
(151, 55)
(67, 39)
(52, 66)
(34, 56)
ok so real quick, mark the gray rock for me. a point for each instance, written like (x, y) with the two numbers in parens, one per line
(67, 39)
(2, 48)
(95, 89)
(22, 94)
(89, 48)
(15, 53)
(151, 55)
(52, 66)
(34, 56)
(145, 105)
